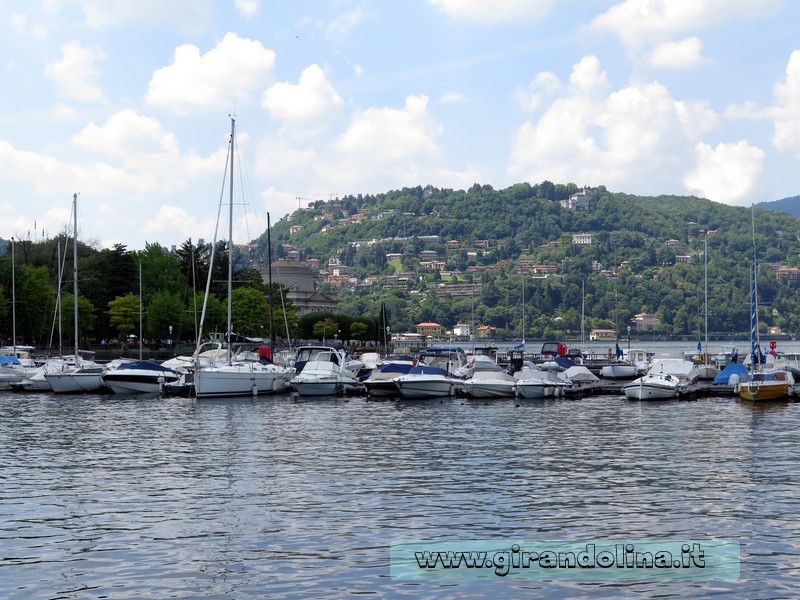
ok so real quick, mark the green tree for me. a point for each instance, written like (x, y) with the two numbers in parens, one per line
(358, 331)
(325, 329)
(164, 310)
(123, 312)
(250, 312)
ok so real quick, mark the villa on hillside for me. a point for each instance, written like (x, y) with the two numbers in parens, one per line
(602, 335)
(429, 329)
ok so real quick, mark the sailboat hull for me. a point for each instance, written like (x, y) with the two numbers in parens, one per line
(76, 383)
(240, 380)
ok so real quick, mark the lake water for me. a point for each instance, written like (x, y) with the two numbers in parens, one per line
(149, 497)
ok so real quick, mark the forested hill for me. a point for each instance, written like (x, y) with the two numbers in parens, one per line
(645, 255)
(789, 205)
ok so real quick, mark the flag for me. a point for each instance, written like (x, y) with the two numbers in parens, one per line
(699, 347)
(619, 351)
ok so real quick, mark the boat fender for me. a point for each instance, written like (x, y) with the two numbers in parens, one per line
(733, 379)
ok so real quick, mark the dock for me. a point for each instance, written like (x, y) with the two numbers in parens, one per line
(686, 392)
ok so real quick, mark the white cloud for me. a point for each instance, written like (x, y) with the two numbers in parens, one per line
(685, 54)
(376, 134)
(637, 138)
(342, 25)
(639, 22)
(495, 11)
(786, 112)
(453, 98)
(127, 133)
(75, 74)
(248, 8)
(544, 87)
(311, 102)
(220, 78)
(728, 173)
(380, 149)
(186, 15)
(176, 222)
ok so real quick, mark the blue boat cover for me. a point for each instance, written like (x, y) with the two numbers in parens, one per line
(8, 360)
(732, 369)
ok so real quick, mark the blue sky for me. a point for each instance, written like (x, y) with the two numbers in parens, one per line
(127, 103)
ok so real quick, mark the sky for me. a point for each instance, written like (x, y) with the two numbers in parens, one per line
(129, 103)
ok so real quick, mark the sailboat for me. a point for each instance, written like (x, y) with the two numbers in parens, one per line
(761, 384)
(81, 375)
(236, 377)
(706, 370)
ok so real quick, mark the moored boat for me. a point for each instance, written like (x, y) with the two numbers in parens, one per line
(324, 370)
(139, 377)
(424, 381)
(653, 386)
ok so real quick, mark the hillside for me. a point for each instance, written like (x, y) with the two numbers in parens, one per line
(789, 205)
(644, 257)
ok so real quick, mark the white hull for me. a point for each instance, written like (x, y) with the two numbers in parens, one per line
(381, 388)
(318, 387)
(488, 389)
(75, 383)
(657, 387)
(248, 379)
(534, 392)
(618, 371)
(137, 382)
(323, 377)
(424, 386)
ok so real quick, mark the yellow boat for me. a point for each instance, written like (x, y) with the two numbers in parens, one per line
(767, 385)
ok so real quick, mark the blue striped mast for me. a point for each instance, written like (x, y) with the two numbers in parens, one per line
(758, 357)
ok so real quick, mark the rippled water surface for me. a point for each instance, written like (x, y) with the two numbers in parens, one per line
(104, 496)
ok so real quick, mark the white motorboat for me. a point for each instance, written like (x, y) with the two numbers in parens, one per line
(324, 370)
(534, 384)
(139, 377)
(380, 382)
(488, 380)
(653, 386)
(424, 381)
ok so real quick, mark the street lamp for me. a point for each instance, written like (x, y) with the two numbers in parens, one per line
(629, 337)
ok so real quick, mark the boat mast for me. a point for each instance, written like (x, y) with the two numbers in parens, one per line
(140, 310)
(75, 266)
(13, 299)
(230, 247)
(583, 313)
(705, 256)
(269, 271)
(754, 339)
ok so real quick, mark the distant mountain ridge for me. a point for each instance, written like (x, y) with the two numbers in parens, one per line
(789, 205)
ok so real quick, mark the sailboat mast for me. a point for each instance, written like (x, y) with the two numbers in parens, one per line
(13, 299)
(230, 246)
(140, 311)
(754, 340)
(269, 271)
(583, 313)
(705, 256)
(75, 266)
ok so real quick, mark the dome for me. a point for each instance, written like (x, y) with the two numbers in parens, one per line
(292, 274)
